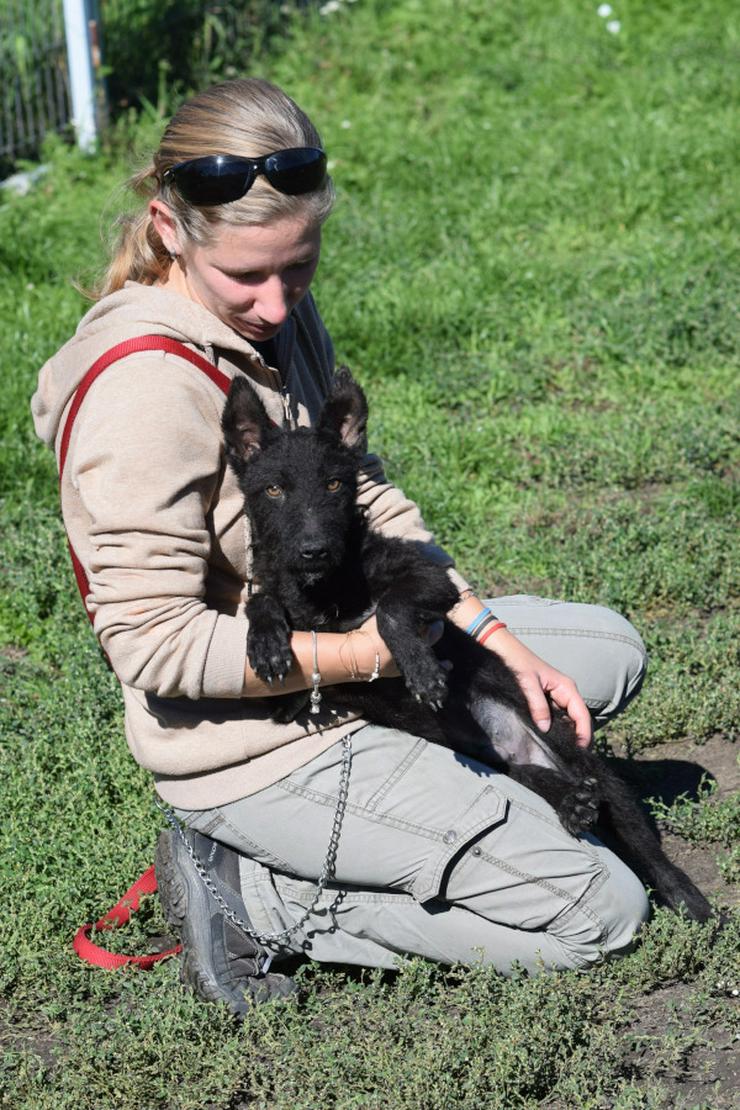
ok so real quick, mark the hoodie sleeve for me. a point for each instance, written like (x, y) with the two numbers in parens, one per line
(146, 464)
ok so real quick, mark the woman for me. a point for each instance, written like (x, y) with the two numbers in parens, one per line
(432, 854)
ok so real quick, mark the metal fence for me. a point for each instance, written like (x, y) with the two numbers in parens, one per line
(34, 88)
(148, 44)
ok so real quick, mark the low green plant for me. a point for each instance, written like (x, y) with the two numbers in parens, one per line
(729, 865)
(695, 820)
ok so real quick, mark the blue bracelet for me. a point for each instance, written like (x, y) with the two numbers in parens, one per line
(478, 619)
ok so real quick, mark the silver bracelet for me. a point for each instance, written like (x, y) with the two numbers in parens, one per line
(376, 671)
(316, 676)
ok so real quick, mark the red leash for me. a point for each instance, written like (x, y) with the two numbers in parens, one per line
(120, 914)
(116, 917)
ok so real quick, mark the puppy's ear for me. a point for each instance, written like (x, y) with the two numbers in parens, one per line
(245, 422)
(345, 412)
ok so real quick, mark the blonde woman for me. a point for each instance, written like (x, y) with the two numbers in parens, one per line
(414, 850)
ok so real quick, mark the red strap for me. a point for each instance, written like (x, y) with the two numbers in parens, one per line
(147, 883)
(121, 350)
(114, 919)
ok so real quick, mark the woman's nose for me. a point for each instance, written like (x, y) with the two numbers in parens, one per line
(273, 306)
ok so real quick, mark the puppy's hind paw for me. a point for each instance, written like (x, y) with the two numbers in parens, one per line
(578, 809)
(429, 687)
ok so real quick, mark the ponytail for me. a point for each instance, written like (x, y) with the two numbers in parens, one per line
(139, 253)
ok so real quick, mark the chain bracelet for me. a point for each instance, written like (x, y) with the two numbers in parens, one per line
(326, 871)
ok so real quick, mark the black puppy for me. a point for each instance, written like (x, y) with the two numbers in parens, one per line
(319, 566)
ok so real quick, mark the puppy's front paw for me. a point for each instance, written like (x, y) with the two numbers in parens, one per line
(268, 651)
(578, 809)
(268, 638)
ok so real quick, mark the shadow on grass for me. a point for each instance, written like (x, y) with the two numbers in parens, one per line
(663, 779)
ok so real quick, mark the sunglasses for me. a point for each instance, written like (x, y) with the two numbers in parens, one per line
(220, 178)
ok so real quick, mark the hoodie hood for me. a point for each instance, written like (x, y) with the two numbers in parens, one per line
(133, 311)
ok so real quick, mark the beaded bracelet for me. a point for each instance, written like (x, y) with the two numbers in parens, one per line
(375, 673)
(350, 665)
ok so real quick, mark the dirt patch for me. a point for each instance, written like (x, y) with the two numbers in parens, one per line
(694, 1067)
(718, 756)
(676, 768)
(18, 1042)
(700, 864)
(668, 770)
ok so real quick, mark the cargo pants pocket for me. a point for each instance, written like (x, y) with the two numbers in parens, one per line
(487, 810)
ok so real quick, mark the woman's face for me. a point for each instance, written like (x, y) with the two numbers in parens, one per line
(249, 277)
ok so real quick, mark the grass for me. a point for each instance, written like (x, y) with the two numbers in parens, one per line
(695, 820)
(531, 268)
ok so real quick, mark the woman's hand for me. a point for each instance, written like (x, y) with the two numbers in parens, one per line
(538, 679)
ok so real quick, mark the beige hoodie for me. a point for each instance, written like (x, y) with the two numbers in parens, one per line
(156, 519)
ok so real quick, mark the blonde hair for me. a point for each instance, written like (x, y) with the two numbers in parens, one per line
(248, 118)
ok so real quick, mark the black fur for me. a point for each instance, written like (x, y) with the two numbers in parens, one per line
(319, 565)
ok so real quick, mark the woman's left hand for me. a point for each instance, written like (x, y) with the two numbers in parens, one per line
(538, 679)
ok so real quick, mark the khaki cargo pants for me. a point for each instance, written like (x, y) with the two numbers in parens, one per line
(439, 856)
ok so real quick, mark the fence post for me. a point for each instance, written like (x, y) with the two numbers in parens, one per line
(81, 73)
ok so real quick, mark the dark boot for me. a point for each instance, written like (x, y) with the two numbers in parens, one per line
(219, 961)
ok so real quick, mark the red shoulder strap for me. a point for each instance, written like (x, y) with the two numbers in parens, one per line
(147, 883)
(121, 350)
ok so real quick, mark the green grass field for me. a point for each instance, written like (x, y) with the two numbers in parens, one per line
(532, 269)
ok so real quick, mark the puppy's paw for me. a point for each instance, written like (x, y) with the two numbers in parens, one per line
(427, 681)
(578, 809)
(269, 654)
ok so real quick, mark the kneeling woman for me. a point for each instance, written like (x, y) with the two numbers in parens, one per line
(427, 853)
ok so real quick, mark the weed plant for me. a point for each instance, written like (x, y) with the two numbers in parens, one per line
(696, 820)
(531, 269)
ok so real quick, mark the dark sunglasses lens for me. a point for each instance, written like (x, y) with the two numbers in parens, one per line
(296, 171)
(214, 182)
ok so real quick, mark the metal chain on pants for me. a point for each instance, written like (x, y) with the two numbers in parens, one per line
(324, 876)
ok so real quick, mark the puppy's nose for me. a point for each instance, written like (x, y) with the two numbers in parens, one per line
(314, 552)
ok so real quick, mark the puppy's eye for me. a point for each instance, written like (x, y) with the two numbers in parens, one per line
(274, 491)
(333, 485)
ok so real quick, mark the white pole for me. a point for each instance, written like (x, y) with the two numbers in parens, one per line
(81, 75)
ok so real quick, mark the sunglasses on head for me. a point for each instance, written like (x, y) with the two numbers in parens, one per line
(220, 178)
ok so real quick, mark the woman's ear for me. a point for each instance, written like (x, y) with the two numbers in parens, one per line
(165, 226)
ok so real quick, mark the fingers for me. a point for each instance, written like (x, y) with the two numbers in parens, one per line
(536, 700)
(567, 697)
(564, 694)
(579, 714)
